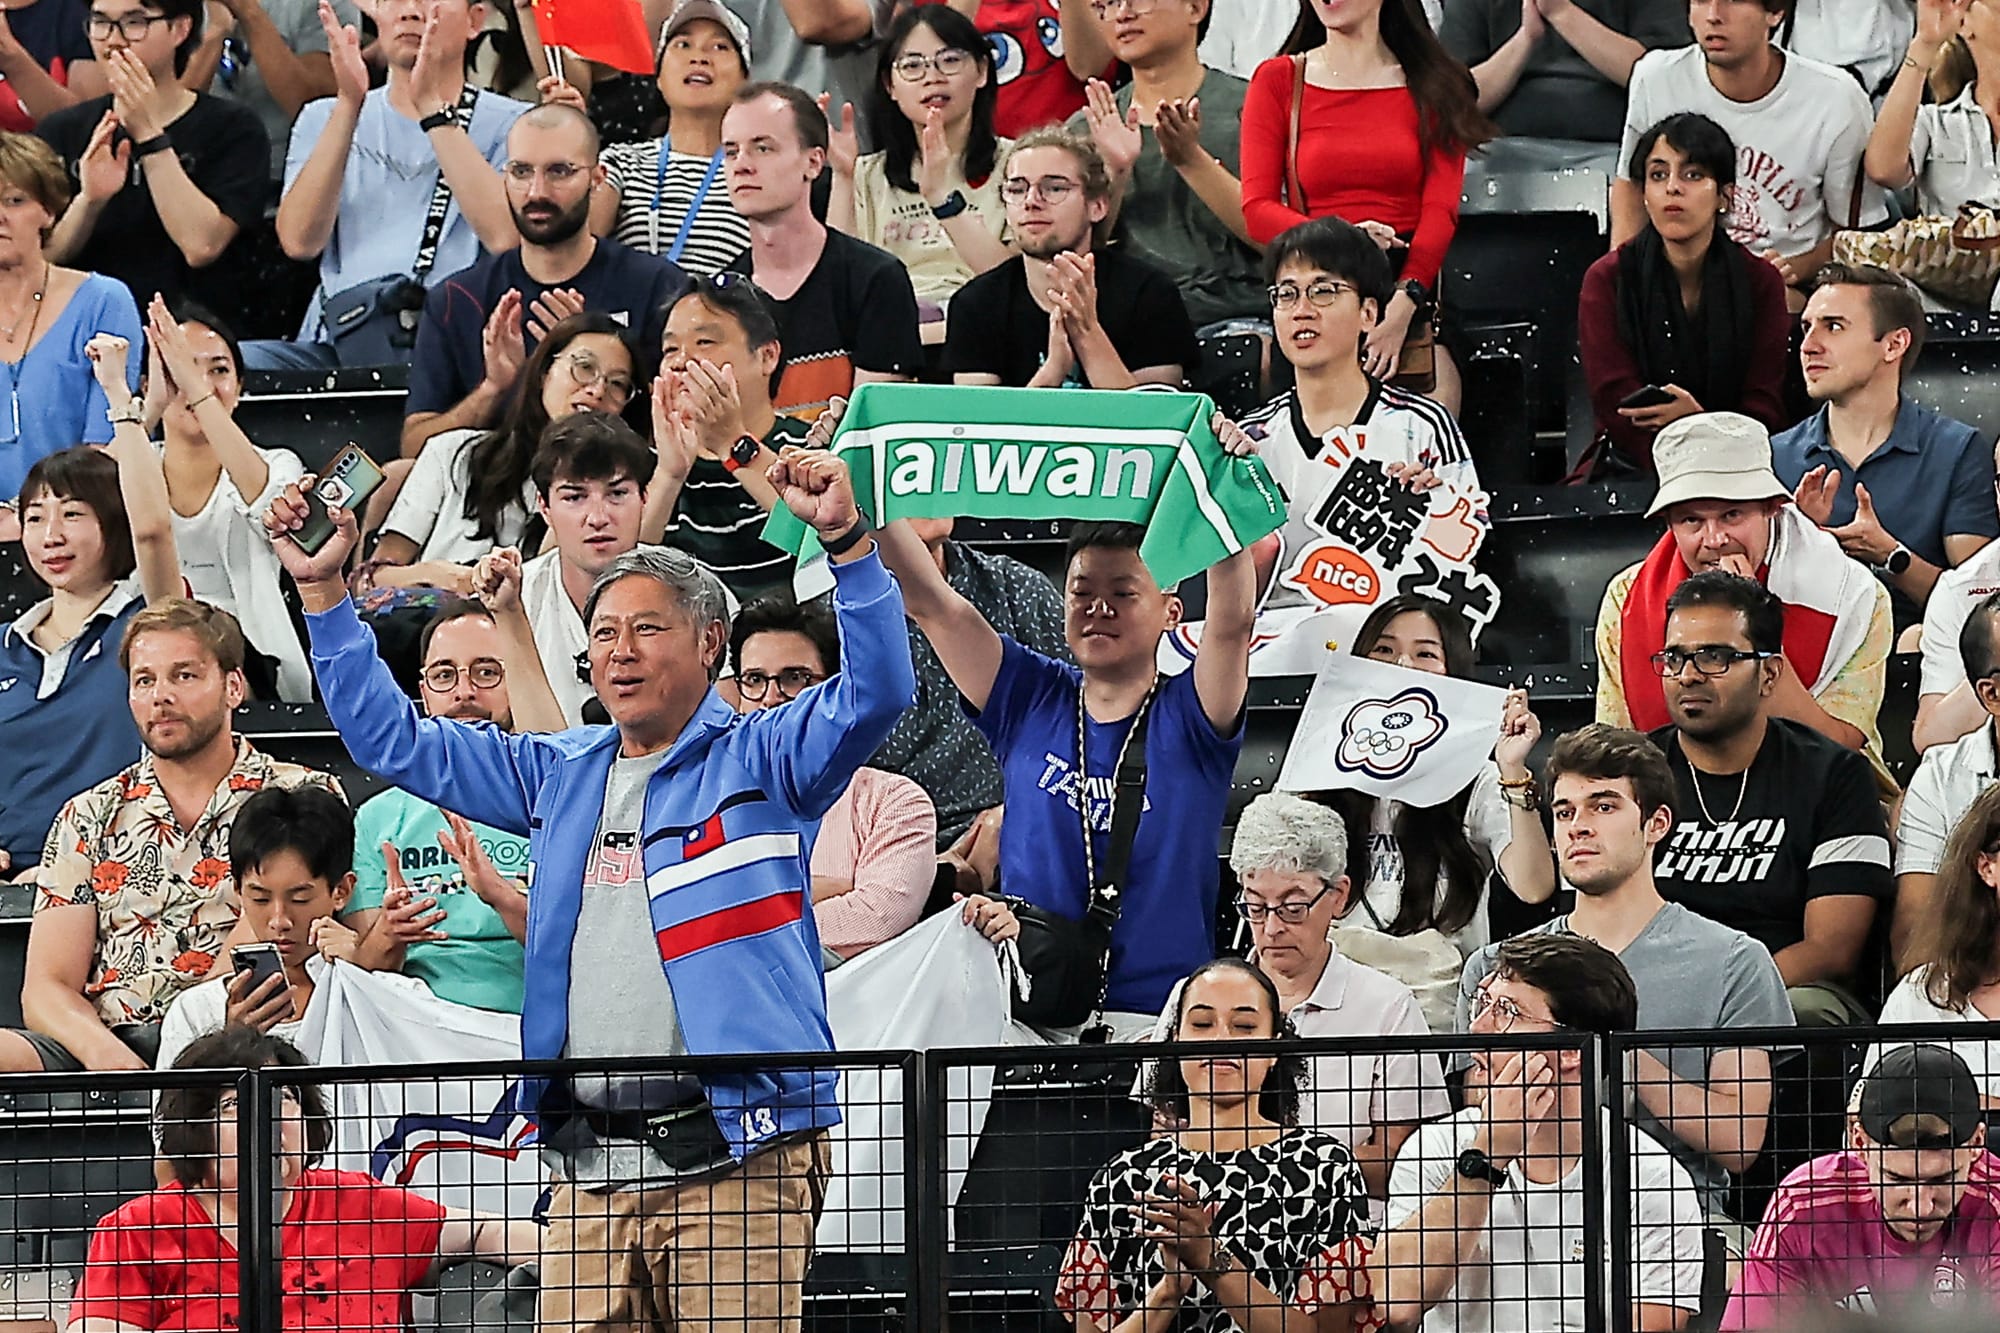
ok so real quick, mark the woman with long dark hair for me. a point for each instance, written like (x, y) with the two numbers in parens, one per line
(1680, 307)
(469, 491)
(1425, 867)
(1384, 119)
(1956, 944)
(1235, 1209)
(931, 195)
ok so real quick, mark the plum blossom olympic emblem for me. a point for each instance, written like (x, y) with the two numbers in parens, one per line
(1383, 737)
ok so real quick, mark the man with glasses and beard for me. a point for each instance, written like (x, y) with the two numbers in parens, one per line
(1066, 311)
(436, 896)
(1612, 796)
(134, 900)
(1778, 831)
(480, 324)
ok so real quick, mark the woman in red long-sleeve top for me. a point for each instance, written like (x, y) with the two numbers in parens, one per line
(1680, 306)
(1387, 119)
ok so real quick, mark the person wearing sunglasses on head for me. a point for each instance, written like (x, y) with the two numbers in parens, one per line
(1613, 799)
(1066, 310)
(875, 857)
(1486, 1209)
(479, 325)
(1778, 831)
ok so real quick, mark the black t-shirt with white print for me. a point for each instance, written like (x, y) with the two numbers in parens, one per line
(1751, 850)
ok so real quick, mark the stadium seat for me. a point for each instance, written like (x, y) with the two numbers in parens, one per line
(315, 413)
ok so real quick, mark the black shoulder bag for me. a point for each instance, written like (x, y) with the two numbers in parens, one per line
(374, 323)
(1068, 963)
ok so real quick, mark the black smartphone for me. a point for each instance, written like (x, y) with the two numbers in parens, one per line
(262, 962)
(346, 484)
(1650, 395)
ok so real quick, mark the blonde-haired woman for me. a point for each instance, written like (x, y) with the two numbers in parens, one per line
(1946, 148)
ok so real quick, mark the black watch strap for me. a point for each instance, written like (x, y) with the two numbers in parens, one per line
(954, 204)
(1476, 1165)
(439, 120)
(847, 540)
(159, 143)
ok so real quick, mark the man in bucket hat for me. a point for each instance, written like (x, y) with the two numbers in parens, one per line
(1906, 1221)
(1726, 509)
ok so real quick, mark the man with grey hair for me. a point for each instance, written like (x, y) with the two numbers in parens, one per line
(1290, 857)
(669, 913)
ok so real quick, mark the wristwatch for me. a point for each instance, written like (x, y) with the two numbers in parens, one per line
(954, 204)
(742, 453)
(439, 120)
(1898, 561)
(1419, 297)
(1476, 1165)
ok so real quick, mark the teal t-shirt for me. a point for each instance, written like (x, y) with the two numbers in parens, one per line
(479, 963)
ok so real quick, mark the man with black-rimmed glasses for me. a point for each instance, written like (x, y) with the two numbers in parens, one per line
(1778, 830)
(875, 857)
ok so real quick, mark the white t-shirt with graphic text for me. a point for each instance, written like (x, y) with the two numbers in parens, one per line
(1798, 147)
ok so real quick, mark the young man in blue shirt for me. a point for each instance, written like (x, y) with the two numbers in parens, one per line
(670, 909)
(1034, 709)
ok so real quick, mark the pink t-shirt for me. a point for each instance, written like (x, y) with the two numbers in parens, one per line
(1823, 1243)
(881, 835)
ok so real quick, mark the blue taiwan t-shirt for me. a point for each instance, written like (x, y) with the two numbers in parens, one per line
(1167, 928)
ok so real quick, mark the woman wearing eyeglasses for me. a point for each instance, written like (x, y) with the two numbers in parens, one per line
(1425, 868)
(470, 491)
(1290, 857)
(931, 196)
(1240, 1218)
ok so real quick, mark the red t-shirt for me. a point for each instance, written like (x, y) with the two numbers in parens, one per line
(1035, 86)
(351, 1249)
(1360, 158)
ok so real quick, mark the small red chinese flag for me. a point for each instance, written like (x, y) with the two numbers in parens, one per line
(611, 32)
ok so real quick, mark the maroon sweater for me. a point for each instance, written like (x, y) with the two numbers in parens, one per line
(1612, 369)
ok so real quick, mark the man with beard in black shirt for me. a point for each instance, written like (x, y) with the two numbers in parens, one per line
(1778, 831)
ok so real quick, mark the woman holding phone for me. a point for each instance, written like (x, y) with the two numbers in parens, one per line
(1681, 319)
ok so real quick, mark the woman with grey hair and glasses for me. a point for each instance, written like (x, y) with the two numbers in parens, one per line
(1290, 857)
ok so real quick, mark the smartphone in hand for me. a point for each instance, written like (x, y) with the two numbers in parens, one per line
(262, 962)
(350, 478)
(1650, 395)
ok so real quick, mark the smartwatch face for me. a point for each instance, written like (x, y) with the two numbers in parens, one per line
(744, 451)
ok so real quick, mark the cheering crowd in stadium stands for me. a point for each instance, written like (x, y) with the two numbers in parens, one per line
(651, 777)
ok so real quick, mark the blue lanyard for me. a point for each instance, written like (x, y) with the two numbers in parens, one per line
(694, 205)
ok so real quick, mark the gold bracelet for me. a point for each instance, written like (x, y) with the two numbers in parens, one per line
(199, 401)
(1516, 783)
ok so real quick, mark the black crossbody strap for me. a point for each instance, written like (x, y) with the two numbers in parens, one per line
(1128, 802)
(427, 248)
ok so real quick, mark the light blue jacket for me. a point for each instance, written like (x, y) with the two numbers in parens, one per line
(729, 819)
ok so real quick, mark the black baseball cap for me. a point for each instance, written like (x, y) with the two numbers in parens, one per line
(1912, 1081)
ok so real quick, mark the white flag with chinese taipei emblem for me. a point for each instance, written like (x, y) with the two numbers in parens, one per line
(1370, 726)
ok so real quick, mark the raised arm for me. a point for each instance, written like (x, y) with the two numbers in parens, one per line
(480, 772)
(311, 202)
(142, 484)
(435, 85)
(168, 350)
(496, 582)
(967, 645)
(812, 745)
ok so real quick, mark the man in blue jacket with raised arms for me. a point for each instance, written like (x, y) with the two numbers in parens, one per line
(669, 913)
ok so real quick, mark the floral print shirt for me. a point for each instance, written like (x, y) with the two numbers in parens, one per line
(165, 899)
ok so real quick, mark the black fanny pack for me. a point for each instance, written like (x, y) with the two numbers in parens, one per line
(1068, 962)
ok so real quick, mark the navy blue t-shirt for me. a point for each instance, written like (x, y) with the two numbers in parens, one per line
(71, 741)
(631, 286)
(1167, 928)
(52, 31)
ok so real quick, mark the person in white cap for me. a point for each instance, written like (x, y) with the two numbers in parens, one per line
(668, 196)
(1726, 509)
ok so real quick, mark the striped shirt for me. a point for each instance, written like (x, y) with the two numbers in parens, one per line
(718, 522)
(651, 206)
